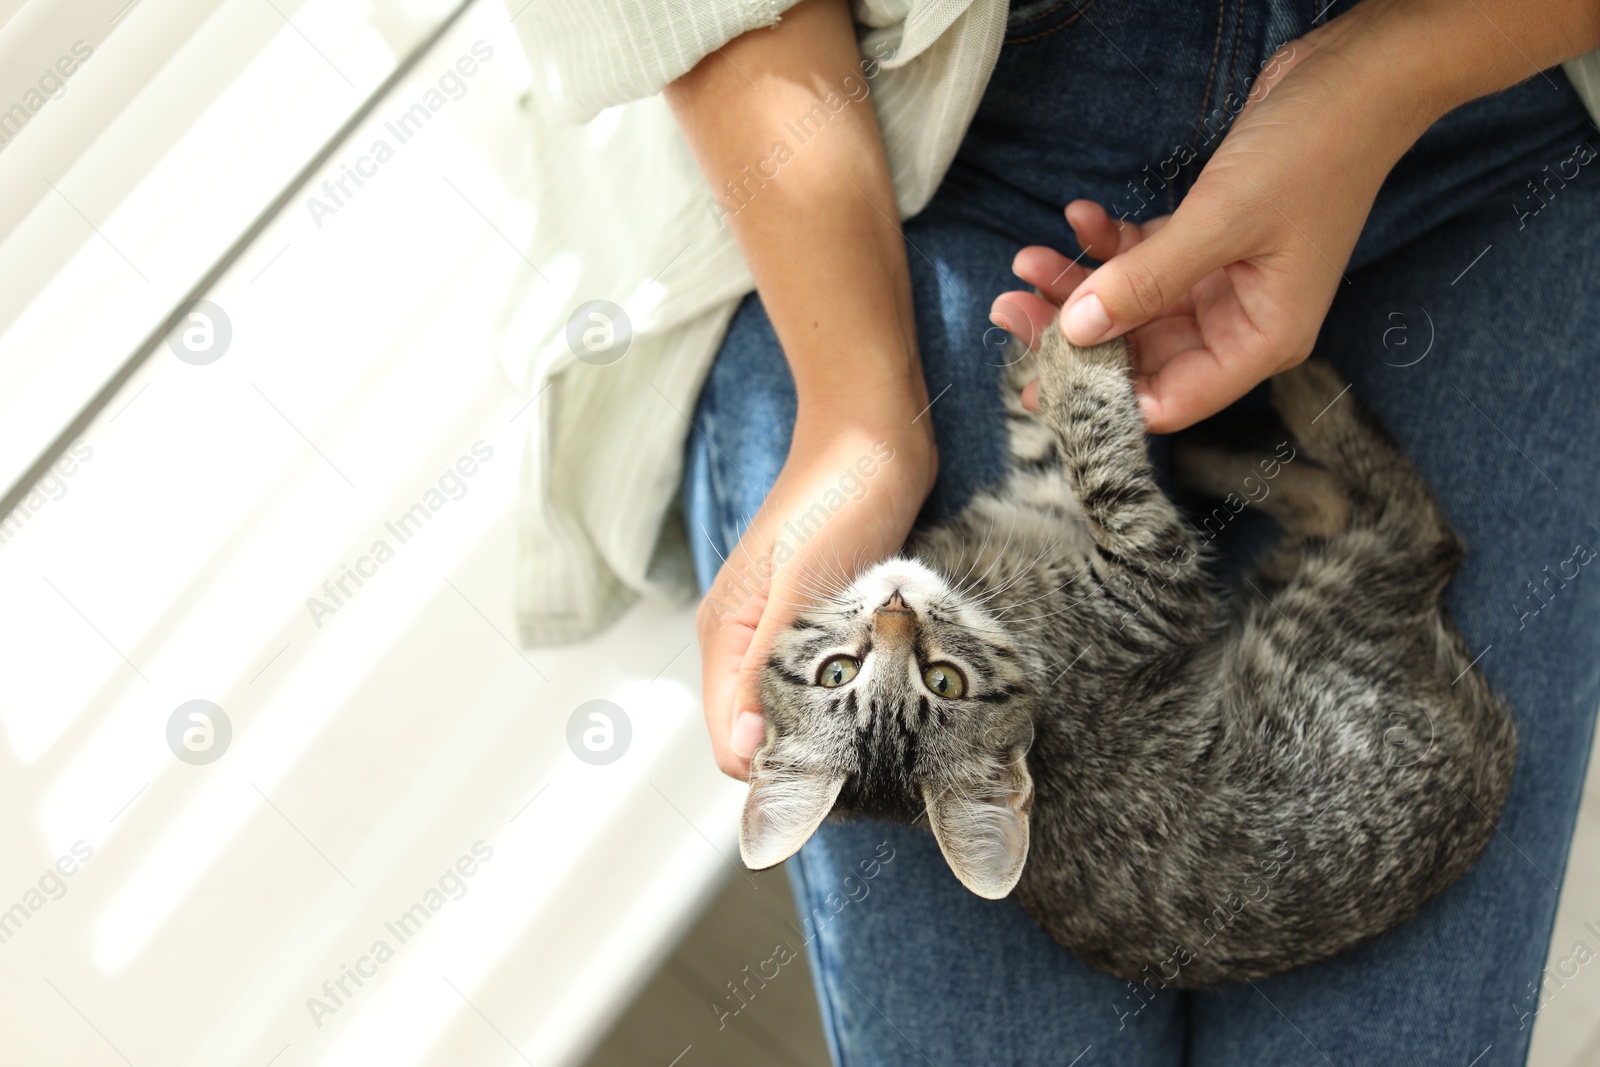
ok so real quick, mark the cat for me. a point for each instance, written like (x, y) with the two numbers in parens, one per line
(1178, 784)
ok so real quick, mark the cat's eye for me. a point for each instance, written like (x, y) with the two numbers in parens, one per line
(945, 681)
(837, 671)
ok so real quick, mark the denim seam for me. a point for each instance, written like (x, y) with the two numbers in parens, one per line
(1233, 60)
(1077, 12)
(1205, 95)
(1211, 83)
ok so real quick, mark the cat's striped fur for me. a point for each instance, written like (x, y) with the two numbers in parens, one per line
(1182, 788)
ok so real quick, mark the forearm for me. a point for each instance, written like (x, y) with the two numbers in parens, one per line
(811, 205)
(1430, 56)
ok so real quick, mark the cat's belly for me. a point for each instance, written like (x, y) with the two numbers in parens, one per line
(1233, 875)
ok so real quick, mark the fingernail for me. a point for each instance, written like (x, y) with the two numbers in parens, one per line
(1000, 321)
(749, 730)
(1086, 322)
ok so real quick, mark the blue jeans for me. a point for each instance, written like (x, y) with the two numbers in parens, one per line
(1470, 325)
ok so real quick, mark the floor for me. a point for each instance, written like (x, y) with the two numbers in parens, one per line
(687, 1011)
(676, 1013)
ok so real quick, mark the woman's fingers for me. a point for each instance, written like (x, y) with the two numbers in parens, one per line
(1050, 272)
(1097, 235)
(726, 625)
(1152, 275)
(748, 724)
(1023, 315)
(1100, 236)
(1192, 385)
(1156, 342)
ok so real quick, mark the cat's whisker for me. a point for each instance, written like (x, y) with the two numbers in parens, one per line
(1053, 614)
(710, 541)
(960, 582)
(999, 555)
(1022, 573)
(1002, 613)
(823, 592)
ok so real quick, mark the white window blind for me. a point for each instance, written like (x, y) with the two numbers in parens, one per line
(179, 122)
(197, 537)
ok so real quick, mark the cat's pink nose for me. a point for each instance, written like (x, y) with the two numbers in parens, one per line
(896, 603)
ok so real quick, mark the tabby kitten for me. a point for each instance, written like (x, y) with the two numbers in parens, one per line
(1204, 789)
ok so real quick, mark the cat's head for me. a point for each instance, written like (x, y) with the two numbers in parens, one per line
(898, 695)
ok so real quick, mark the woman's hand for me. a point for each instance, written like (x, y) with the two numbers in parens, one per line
(820, 235)
(1233, 286)
(846, 497)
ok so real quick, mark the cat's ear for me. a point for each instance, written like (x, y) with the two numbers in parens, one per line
(782, 810)
(982, 827)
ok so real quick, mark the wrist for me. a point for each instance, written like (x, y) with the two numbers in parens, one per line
(1388, 75)
(1417, 60)
(859, 381)
(862, 414)
(888, 419)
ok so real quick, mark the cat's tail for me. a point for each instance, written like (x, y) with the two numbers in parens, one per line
(1387, 494)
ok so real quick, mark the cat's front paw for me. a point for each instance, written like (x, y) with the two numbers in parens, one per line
(1064, 366)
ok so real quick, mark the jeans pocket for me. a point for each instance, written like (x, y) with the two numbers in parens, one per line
(1029, 20)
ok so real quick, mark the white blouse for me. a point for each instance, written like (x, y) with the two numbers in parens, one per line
(623, 215)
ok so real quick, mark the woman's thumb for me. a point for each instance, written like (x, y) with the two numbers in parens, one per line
(748, 724)
(1135, 286)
